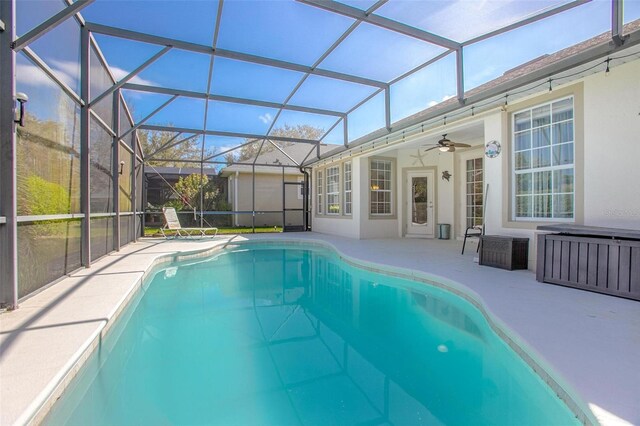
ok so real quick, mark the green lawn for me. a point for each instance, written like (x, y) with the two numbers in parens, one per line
(155, 232)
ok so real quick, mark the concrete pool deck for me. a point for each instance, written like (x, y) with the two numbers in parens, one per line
(591, 341)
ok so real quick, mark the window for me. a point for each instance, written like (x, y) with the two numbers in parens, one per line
(333, 190)
(347, 188)
(300, 188)
(319, 194)
(380, 187)
(474, 192)
(543, 165)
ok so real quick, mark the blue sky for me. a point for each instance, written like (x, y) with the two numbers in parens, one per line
(290, 31)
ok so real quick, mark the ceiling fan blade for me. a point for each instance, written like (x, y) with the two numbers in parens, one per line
(432, 148)
(461, 145)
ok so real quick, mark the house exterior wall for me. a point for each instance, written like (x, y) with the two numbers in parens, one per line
(268, 197)
(607, 149)
(444, 190)
(612, 154)
(607, 170)
(378, 226)
(342, 224)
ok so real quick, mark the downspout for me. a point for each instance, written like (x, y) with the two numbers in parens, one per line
(305, 199)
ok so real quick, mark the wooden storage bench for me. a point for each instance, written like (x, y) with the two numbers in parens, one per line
(504, 252)
(602, 260)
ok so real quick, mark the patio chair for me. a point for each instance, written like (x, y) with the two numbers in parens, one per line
(473, 232)
(171, 223)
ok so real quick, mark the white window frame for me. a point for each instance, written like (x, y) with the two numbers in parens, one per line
(473, 218)
(552, 168)
(373, 191)
(333, 190)
(319, 198)
(347, 207)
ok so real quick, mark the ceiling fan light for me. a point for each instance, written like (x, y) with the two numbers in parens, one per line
(444, 149)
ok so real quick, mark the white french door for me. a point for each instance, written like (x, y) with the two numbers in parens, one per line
(420, 218)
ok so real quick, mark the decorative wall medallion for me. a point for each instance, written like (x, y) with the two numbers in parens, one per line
(492, 149)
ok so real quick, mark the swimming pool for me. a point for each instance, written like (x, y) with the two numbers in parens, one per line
(272, 334)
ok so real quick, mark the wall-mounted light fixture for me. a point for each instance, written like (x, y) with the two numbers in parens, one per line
(22, 99)
(121, 167)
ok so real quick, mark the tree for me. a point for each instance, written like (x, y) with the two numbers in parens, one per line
(229, 157)
(189, 188)
(190, 149)
(249, 151)
(301, 131)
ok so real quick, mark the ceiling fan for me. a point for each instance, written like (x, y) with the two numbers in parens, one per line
(446, 145)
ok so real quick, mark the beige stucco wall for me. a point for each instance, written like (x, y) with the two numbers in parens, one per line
(612, 157)
(607, 165)
(346, 225)
(268, 197)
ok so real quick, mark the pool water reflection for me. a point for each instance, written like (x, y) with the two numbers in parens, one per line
(272, 335)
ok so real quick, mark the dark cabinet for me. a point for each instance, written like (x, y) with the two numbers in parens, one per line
(602, 260)
(504, 252)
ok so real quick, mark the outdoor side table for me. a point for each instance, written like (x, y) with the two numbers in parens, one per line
(504, 252)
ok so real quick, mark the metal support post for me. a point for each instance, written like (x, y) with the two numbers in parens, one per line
(617, 22)
(253, 201)
(116, 168)
(284, 201)
(345, 130)
(307, 198)
(387, 108)
(201, 184)
(145, 184)
(304, 199)
(85, 147)
(134, 185)
(460, 75)
(8, 207)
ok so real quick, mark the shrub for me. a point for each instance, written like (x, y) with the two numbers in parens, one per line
(40, 197)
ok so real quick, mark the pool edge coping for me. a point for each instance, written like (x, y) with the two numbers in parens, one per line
(37, 411)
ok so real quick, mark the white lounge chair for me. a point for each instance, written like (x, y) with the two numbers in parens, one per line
(171, 223)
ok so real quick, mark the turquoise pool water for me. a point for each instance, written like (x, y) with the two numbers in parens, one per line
(272, 335)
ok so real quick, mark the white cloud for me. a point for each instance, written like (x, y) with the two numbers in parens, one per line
(120, 73)
(266, 118)
(72, 69)
(444, 98)
(31, 75)
(66, 71)
(478, 16)
(224, 148)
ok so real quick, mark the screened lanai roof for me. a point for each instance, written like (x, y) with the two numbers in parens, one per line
(233, 74)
